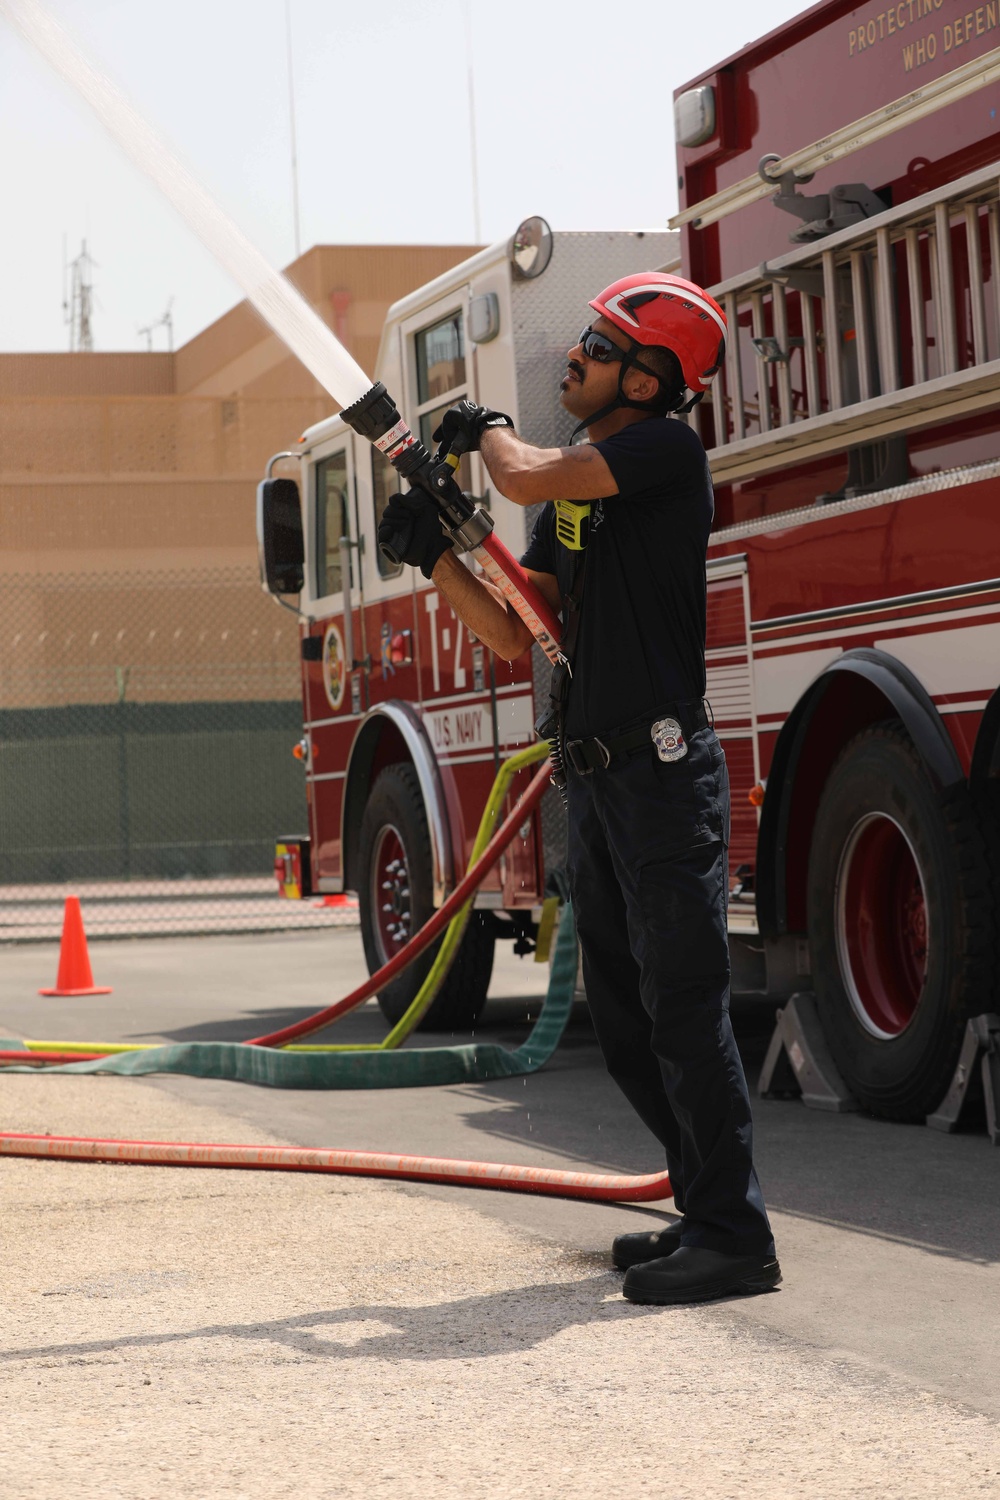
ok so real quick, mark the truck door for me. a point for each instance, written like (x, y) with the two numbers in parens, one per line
(337, 660)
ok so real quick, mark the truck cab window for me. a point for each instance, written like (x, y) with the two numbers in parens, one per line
(331, 521)
(440, 356)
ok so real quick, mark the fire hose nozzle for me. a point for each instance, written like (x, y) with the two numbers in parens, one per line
(373, 415)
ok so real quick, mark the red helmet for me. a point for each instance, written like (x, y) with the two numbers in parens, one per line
(656, 308)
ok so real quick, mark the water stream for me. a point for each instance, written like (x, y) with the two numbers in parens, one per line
(274, 297)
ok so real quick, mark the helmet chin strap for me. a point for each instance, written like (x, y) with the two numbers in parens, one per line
(621, 400)
(680, 411)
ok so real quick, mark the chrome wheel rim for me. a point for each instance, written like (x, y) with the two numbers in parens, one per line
(390, 894)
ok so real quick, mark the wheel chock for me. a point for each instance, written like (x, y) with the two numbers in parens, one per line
(798, 1061)
(981, 1045)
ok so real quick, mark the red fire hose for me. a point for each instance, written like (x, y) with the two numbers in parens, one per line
(481, 1174)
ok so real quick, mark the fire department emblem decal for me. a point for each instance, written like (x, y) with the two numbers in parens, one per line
(334, 666)
(668, 737)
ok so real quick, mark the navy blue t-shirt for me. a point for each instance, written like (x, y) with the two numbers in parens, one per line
(641, 643)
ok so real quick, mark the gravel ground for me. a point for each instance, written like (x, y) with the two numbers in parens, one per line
(231, 1334)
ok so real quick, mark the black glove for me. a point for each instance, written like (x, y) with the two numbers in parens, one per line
(467, 422)
(411, 526)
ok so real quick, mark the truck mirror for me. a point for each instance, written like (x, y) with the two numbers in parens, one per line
(280, 550)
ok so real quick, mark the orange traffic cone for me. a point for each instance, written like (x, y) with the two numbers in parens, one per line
(74, 977)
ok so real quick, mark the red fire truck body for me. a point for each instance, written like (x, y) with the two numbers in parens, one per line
(839, 195)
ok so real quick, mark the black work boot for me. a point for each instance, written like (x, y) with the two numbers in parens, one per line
(691, 1274)
(632, 1249)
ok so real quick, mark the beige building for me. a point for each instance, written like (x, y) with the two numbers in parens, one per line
(125, 478)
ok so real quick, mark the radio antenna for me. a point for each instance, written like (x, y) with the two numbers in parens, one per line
(78, 300)
(167, 322)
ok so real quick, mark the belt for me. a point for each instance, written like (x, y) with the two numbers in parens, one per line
(586, 756)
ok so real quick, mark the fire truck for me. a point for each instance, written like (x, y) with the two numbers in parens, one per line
(407, 716)
(839, 196)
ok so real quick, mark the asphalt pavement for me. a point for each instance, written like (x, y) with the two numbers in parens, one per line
(888, 1234)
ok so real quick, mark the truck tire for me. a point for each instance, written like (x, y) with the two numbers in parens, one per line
(900, 923)
(396, 897)
(988, 811)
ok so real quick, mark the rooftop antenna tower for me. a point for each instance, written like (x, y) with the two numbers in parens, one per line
(167, 322)
(78, 301)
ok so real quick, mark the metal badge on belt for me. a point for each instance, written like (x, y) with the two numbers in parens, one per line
(668, 737)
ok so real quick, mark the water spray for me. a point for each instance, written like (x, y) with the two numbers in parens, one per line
(369, 408)
(282, 307)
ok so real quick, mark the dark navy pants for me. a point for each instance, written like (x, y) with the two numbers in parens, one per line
(648, 865)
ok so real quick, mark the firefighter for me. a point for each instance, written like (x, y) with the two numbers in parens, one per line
(645, 776)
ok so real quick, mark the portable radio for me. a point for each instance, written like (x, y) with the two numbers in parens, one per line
(573, 523)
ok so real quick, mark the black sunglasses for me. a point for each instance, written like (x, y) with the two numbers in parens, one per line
(601, 349)
(597, 346)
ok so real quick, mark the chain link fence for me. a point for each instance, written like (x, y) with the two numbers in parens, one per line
(146, 728)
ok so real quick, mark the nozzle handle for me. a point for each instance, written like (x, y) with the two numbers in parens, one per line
(453, 454)
(459, 448)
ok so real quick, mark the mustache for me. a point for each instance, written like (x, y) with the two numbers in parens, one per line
(576, 367)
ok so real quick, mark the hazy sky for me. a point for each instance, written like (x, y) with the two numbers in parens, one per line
(573, 118)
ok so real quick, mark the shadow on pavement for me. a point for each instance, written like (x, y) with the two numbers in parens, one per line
(511, 1321)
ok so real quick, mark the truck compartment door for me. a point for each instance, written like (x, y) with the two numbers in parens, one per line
(730, 693)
